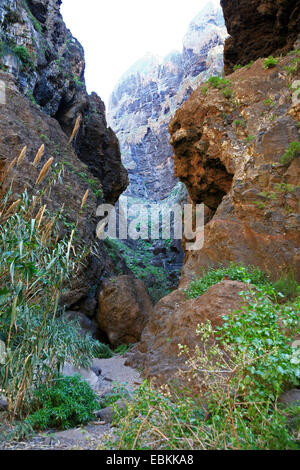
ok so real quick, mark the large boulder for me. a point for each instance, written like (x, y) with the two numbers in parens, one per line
(174, 321)
(124, 309)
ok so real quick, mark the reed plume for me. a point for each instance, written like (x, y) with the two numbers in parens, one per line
(22, 155)
(44, 171)
(39, 155)
(75, 130)
(84, 199)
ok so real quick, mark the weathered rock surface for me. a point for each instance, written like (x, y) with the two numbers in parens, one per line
(42, 68)
(229, 153)
(259, 28)
(124, 309)
(174, 321)
(149, 93)
(48, 65)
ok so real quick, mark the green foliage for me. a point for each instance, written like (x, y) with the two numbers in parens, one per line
(78, 82)
(123, 348)
(227, 92)
(249, 139)
(235, 272)
(34, 269)
(37, 25)
(70, 401)
(292, 152)
(270, 62)
(269, 103)
(101, 350)
(239, 123)
(260, 331)
(204, 90)
(288, 287)
(218, 82)
(234, 377)
(237, 67)
(143, 253)
(113, 396)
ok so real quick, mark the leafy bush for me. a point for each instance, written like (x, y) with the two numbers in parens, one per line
(34, 269)
(270, 62)
(239, 122)
(218, 82)
(227, 92)
(101, 350)
(234, 377)
(234, 272)
(69, 402)
(292, 152)
(249, 139)
(288, 286)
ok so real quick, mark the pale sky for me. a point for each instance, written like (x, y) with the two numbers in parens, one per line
(116, 33)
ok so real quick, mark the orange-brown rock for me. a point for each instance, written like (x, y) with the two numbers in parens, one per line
(124, 309)
(174, 321)
(229, 153)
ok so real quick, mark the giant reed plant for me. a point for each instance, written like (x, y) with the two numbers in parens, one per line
(35, 266)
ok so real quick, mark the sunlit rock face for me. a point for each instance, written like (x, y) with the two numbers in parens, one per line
(148, 95)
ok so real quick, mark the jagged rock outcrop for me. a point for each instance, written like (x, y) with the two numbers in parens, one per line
(259, 28)
(48, 65)
(42, 73)
(148, 95)
(124, 309)
(230, 154)
(174, 321)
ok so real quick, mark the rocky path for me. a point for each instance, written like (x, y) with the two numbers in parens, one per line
(104, 376)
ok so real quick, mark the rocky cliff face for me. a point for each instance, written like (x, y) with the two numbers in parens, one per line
(48, 65)
(232, 155)
(259, 28)
(237, 150)
(42, 69)
(149, 93)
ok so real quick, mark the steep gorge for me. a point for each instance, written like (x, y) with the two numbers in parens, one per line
(148, 95)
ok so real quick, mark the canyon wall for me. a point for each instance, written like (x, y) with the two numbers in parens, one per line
(42, 69)
(48, 65)
(259, 28)
(236, 147)
(148, 95)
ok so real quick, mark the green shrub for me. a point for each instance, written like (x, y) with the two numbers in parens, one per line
(218, 82)
(288, 286)
(269, 103)
(35, 267)
(239, 122)
(235, 272)
(70, 401)
(101, 350)
(233, 379)
(227, 93)
(249, 139)
(270, 62)
(292, 152)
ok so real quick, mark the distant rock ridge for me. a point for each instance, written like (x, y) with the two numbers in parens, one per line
(149, 93)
